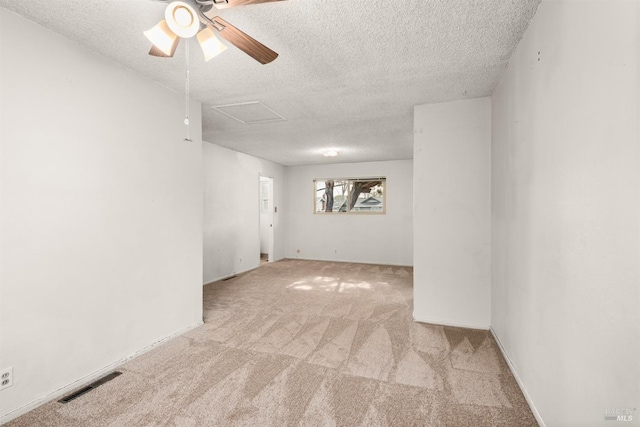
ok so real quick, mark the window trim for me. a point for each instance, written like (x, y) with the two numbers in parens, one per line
(383, 181)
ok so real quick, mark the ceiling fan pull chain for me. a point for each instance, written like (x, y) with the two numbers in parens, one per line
(186, 91)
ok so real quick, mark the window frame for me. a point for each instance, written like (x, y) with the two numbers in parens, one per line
(350, 181)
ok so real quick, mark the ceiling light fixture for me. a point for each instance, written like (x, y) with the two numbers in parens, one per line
(185, 18)
(163, 38)
(210, 44)
(182, 18)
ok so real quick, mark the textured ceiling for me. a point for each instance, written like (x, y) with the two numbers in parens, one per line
(348, 74)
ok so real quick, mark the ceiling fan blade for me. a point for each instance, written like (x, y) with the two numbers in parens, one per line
(233, 3)
(242, 41)
(157, 52)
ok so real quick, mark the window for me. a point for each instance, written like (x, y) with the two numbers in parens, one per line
(362, 195)
(264, 196)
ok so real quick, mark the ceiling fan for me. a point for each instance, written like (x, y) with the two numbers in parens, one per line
(186, 18)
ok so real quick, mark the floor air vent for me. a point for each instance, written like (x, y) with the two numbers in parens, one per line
(90, 387)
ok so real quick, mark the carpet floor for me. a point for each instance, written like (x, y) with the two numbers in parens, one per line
(307, 343)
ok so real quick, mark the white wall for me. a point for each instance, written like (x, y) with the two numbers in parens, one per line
(232, 211)
(381, 239)
(566, 254)
(100, 214)
(452, 213)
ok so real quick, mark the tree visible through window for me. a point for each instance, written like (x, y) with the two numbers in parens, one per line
(363, 195)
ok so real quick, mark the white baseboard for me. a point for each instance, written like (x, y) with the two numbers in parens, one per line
(512, 368)
(87, 379)
(210, 281)
(297, 257)
(228, 276)
(425, 319)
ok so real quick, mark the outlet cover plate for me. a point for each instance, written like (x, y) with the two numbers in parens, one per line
(6, 377)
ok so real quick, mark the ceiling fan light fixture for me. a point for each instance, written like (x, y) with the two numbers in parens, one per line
(210, 44)
(162, 37)
(182, 18)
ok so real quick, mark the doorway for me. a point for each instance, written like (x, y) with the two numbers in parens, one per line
(266, 219)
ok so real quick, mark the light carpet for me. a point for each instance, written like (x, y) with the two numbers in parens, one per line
(307, 343)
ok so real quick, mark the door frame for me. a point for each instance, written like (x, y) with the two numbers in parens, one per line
(270, 211)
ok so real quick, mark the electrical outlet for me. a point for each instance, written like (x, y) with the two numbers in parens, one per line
(6, 377)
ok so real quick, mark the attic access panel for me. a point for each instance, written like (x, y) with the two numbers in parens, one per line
(249, 112)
